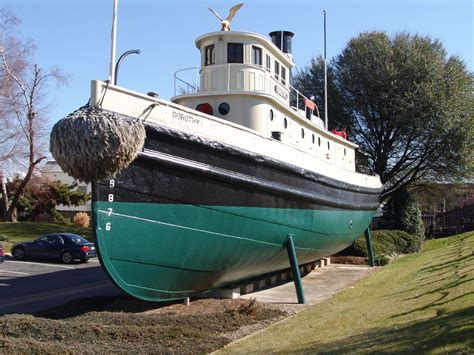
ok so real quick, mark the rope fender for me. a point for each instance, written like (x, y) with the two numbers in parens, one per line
(92, 144)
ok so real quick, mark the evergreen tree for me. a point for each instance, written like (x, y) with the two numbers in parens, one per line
(403, 213)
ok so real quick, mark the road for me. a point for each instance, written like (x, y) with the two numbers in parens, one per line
(31, 286)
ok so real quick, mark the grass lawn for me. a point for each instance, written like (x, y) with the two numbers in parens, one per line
(26, 231)
(422, 303)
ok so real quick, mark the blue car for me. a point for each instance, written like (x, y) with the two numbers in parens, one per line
(63, 246)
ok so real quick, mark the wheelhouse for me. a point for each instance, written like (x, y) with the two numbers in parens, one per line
(245, 78)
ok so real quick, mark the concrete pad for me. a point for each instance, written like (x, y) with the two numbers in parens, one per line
(318, 285)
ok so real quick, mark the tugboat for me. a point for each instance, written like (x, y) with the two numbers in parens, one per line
(230, 167)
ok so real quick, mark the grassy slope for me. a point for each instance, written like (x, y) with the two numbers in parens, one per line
(423, 302)
(26, 231)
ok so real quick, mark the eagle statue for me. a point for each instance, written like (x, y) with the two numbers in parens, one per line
(226, 23)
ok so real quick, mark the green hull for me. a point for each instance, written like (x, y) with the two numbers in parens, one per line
(161, 251)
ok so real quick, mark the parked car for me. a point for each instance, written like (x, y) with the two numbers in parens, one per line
(63, 246)
(2, 252)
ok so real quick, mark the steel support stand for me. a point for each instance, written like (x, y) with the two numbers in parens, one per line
(290, 247)
(368, 239)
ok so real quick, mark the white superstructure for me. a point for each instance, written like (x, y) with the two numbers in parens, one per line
(244, 78)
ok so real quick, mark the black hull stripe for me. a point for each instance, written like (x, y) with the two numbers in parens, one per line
(157, 133)
(234, 178)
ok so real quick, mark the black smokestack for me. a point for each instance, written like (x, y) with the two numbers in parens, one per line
(282, 39)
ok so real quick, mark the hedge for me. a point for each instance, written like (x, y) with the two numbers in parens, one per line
(387, 243)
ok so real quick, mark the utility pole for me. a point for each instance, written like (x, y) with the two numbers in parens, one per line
(325, 77)
(113, 44)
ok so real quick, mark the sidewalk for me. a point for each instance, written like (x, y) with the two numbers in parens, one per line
(318, 285)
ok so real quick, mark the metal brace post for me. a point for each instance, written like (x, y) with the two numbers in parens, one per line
(290, 247)
(368, 239)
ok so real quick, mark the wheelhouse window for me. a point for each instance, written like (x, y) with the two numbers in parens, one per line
(210, 57)
(277, 69)
(235, 53)
(256, 55)
(283, 75)
(268, 62)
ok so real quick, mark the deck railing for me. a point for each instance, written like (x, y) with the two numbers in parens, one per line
(187, 81)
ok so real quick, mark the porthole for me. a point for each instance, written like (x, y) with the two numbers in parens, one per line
(302, 132)
(329, 146)
(224, 108)
(313, 139)
(270, 114)
(205, 108)
(285, 123)
(319, 141)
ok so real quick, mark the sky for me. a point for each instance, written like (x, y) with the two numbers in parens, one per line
(75, 35)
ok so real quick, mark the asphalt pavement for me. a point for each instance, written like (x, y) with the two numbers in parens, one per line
(31, 286)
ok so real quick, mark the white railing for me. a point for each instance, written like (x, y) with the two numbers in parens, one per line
(187, 81)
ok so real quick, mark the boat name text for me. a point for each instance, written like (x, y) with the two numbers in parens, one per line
(186, 118)
(281, 92)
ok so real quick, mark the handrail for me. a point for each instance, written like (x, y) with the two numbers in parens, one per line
(195, 88)
(176, 78)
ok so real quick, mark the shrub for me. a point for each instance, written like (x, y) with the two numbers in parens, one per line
(59, 218)
(82, 219)
(402, 212)
(386, 243)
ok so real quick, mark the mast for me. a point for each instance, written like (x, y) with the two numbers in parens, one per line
(112, 49)
(325, 77)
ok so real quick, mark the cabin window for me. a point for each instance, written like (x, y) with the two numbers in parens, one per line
(277, 69)
(270, 114)
(235, 53)
(210, 57)
(285, 123)
(302, 132)
(268, 63)
(319, 141)
(329, 146)
(256, 55)
(283, 75)
(313, 139)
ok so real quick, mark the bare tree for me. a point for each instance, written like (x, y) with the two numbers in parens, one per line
(4, 201)
(23, 109)
(16, 54)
